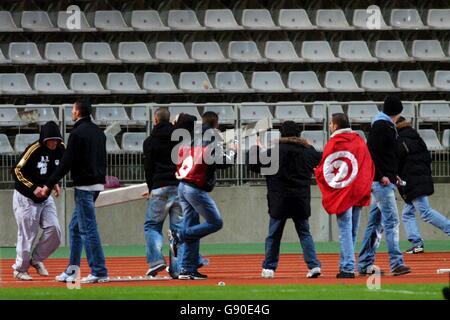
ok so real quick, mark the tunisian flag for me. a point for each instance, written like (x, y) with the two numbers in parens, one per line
(345, 173)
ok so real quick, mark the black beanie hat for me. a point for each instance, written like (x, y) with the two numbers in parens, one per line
(392, 106)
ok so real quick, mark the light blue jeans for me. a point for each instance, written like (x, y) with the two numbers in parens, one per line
(348, 223)
(428, 214)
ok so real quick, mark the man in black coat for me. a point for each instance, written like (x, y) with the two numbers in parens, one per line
(289, 196)
(415, 169)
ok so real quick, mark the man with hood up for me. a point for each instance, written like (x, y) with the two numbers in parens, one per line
(36, 164)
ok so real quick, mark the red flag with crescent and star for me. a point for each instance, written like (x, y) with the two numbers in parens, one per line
(345, 173)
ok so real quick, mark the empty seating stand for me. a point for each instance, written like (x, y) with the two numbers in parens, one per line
(67, 23)
(189, 108)
(98, 52)
(134, 52)
(294, 19)
(7, 23)
(391, 50)
(37, 21)
(196, 82)
(221, 19)
(15, 84)
(147, 20)
(428, 50)
(341, 81)
(318, 51)
(184, 20)
(110, 20)
(50, 83)
(281, 51)
(106, 113)
(413, 80)
(111, 144)
(87, 83)
(244, 51)
(225, 111)
(355, 51)
(133, 141)
(123, 83)
(406, 19)
(377, 81)
(5, 145)
(439, 19)
(159, 82)
(9, 116)
(61, 53)
(172, 52)
(207, 52)
(362, 112)
(258, 19)
(304, 81)
(369, 19)
(332, 19)
(315, 137)
(431, 139)
(25, 53)
(44, 113)
(268, 81)
(292, 111)
(23, 140)
(231, 82)
(434, 111)
(254, 111)
(441, 80)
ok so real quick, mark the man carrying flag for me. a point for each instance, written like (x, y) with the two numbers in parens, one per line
(345, 177)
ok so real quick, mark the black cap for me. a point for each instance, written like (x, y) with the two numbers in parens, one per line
(392, 106)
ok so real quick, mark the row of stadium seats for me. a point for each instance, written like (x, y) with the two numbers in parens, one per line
(211, 52)
(224, 82)
(222, 19)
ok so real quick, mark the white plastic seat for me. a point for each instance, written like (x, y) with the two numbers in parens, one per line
(318, 111)
(281, 51)
(111, 113)
(133, 141)
(25, 53)
(139, 114)
(413, 80)
(294, 19)
(315, 137)
(9, 116)
(159, 82)
(318, 51)
(15, 84)
(123, 83)
(439, 19)
(50, 83)
(225, 111)
(428, 50)
(172, 52)
(3, 59)
(369, 19)
(66, 22)
(189, 108)
(183, 20)
(304, 81)
(134, 52)
(377, 81)
(362, 112)
(355, 51)
(68, 116)
(87, 83)
(441, 80)
(268, 81)
(147, 20)
(207, 52)
(232, 82)
(341, 81)
(293, 111)
(430, 138)
(221, 19)
(98, 52)
(44, 113)
(433, 111)
(7, 23)
(5, 146)
(23, 140)
(254, 111)
(61, 53)
(406, 19)
(333, 19)
(258, 19)
(110, 20)
(333, 107)
(195, 82)
(37, 21)
(391, 50)
(409, 111)
(244, 51)
(446, 139)
(111, 144)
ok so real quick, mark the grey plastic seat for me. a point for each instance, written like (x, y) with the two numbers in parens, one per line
(413, 80)
(207, 52)
(133, 141)
(87, 83)
(50, 83)
(318, 51)
(341, 81)
(391, 50)
(68, 116)
(9, 116)
(428, 50)
(23, 140)
(446, 139)
(258, 19)
(294, 19)
(315, 137)
(318, 111)
(111, 144)
(433, 111)
(281, 51)
(61, 53)
(3, 59)
(139, 114)
(232, 82)
(44, 113)
(15, 84)
(431, 139)
(159, 82)
(37, 21)
(369, 19)
(355, 51)
(377, 81)
(441, 80)
(268, 81)
(98, 52)
(25, 53)
(172, 52)
(111, 113)
(409, 111)
(5, 146)
(147, 20)
(254, 111)
(66, 22)
(333, 107)
(333, 19)
(293, 111)
(304, 81)
(225, 111)
(439, 19)
(183, 20)
(134, 52)
(189, 108)
(406, 19)
(221, 19)
(244, 51)
(110, 20)
(123, 83)
(7, 23)
(362, 111)
(195, 82)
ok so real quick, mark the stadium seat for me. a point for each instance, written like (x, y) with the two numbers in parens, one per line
(3, 59)
(7, 23)
(341, 81)
(254, 111)
(377, 81)
(44, 113)
(434, 111)
(281, 51)
(172, 52)
(140, 114)
(183, 20)
(114, 112)
(441, 80)
(413, 80)
(50, 83)
(159, 82)
(318, 111)
(25, 53)
(111, 144)
(409, 111)
(133, 141)
(68, 115)
(362, 19)
(134, 52)
(406, 19)
(268, 81)
(362, 111)
(294, 19)
(61, 53)
(318, 51)
(439, 19)
(244, 51)
(333, 107)
(98, 52)
(37, 21)
(23, 140)
(67, 24)
(87, 83)
(332, 19)
(355, 51)
(304, 81)
(293, 111)
(15, 84)
(225, 111)
(430, 138)
(207, 52)
(446, 139)
(195, 82)
(110, 20)
(123, 83)
(428, 50)
(258, 19)
(9, 116)
(269, 138)
(391, 50)
(147, 20)
(188, 108)
(5, 146)
(315, 137)
(232, 82)
(361, 134)
(221, 19)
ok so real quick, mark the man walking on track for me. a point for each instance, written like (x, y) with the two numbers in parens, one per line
(382, 143)
(345, 177)
(36, 164)
(85, 158)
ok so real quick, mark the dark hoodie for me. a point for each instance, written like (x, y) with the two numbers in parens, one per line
(38, 162)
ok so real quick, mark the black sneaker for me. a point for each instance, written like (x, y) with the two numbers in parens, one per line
(173, 242)
(416, 249)
(192, 276)
(345, 275)
(371, 270)
(153, 271)
(401, 270)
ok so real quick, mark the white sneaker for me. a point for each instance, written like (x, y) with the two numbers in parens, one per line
(93, 279)
(24, 276)
(64, 277)
(40, 268)
(314, 273)
(268, 273)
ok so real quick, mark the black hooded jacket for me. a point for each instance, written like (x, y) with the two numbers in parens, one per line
(38, 162)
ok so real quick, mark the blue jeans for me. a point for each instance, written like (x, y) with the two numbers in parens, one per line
(348, 223)
(195, 203)
(383, 215)
(83, 231)
(276, 227)
(427, 213)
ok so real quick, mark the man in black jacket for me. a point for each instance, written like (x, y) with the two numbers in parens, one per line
(85, 158)
(415, 170)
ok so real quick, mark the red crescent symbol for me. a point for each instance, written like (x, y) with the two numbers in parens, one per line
(349, 165)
